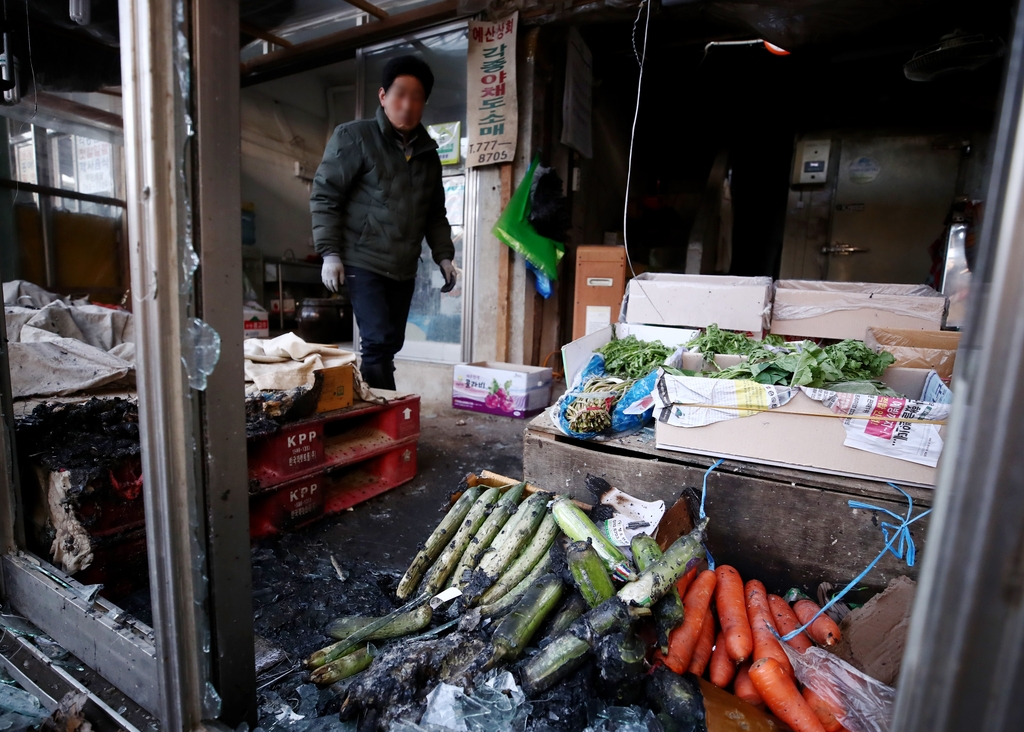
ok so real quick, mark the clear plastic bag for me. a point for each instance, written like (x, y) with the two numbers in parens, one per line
(860, 703)
(914, 301)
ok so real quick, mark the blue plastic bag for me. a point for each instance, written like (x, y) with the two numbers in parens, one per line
(622, 424)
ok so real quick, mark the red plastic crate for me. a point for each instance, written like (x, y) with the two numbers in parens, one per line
(332, 439)
(302, 501)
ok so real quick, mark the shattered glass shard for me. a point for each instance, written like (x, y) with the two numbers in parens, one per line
(19, 701)
(200, 351)
(497, 704)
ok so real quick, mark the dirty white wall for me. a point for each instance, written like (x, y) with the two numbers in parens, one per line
(285, 127)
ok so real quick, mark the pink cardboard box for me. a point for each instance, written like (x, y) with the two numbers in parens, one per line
(505, 389)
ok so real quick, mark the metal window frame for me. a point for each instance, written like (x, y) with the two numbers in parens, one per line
(196, 663)
(963, 667)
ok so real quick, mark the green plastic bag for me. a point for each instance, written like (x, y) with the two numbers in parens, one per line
(513, 228)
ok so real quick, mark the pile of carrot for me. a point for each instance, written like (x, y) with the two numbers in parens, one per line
(726, 634)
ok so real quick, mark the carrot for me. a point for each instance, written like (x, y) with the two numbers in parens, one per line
(683, 640)
(824, 630)
(732, 613)
(684, 582)
(823, 711)
(779, 692)
(786, 622)
(722, 667)
(766, 645)
(706, 642)
(744, 687)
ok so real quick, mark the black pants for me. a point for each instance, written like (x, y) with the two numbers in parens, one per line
(381, 307)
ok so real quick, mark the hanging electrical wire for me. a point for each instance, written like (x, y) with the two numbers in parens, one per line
(641, 58)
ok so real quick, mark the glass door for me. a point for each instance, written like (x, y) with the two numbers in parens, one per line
(434, 331)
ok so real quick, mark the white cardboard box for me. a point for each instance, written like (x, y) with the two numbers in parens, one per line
(812, 309)
(576, 355)
(697, 301)
(792, 436)
(505, 389)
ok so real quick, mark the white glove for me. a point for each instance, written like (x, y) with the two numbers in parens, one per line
(450, 274)
(333, 272)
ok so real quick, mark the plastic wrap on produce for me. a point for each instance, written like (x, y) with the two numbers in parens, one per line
(623, 420)
(914, 301)
(866, 703)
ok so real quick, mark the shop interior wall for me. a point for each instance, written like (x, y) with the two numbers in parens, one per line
(285, 127)
(749, 105)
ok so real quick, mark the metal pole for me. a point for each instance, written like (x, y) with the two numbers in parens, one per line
(153, 70)
(219, 232)
(43, 178)
(963, 668)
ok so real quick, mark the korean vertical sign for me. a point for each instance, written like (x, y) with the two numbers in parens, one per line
(492, 111)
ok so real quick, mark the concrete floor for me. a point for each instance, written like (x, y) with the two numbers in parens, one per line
(453, 443)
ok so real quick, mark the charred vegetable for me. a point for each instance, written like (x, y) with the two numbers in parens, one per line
(515, 535)
(436, 542)
(342, 668)
(404, 624)
(479, 544)
(510, 598)
(668, 611)
(452, 553)
(577, 526)
(516, 630)
(589, 572)
(567, 651)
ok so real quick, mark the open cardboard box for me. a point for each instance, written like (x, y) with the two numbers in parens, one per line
(919, 349)
(576, 355)
(697, 301)
(813, 309)
(795, 435)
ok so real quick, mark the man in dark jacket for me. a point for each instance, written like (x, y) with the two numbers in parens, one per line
(376, 195)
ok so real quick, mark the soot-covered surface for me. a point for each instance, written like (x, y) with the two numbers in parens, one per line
(297, 590)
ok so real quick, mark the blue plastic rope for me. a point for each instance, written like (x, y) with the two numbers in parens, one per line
(906, 549)
(703, 496)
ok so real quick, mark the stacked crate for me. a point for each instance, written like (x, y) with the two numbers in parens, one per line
(330, 462)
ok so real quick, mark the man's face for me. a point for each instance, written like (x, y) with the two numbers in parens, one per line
(403, 102)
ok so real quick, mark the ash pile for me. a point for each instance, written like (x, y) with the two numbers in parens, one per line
(518, 613)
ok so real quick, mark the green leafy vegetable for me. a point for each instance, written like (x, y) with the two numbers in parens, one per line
(713, 341)
(632, 358)
(810, 365)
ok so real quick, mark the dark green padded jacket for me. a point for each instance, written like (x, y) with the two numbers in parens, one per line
(373, 207)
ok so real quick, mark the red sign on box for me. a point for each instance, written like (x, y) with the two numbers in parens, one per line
(292, 451)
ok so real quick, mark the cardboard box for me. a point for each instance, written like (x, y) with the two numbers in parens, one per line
(576, 355)
(919, 349)
(337, 388)
(812, 309)
(794, 436)
(256, 322)
(505, 389)
(697, 301)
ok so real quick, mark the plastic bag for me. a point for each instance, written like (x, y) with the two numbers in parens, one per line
(866, 703)
(540, 281)
(513, 228)
(914, 301)
(622, 421)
